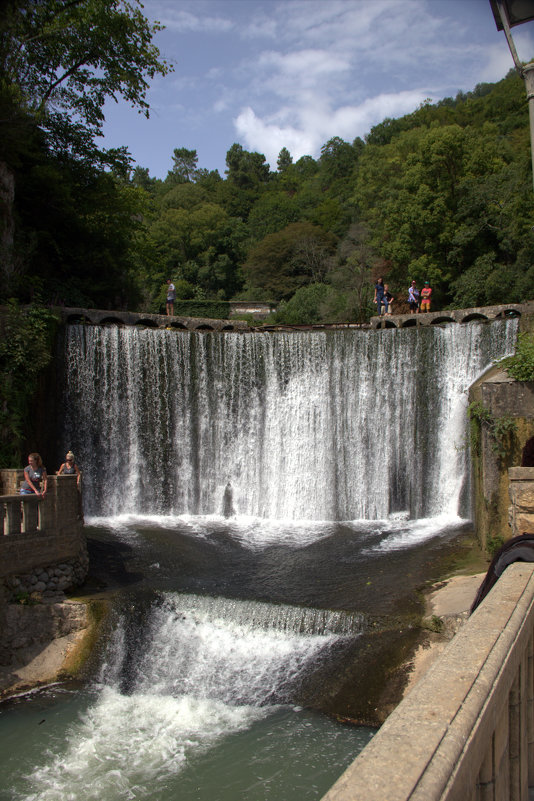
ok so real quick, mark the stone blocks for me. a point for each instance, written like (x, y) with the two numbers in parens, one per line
(521, 511)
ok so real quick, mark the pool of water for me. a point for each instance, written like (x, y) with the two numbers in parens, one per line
(237, 651)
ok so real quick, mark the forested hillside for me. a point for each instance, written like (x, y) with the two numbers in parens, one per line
(443, 194)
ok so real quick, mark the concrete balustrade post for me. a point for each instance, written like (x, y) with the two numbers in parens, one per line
(485, 789)
(530, 712)
(502, 754)
(30, 515)
(13, 517)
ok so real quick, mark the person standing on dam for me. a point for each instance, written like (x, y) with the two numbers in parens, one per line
(171, 295)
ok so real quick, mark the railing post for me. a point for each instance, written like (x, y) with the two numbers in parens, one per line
(13, 517)
(518, 736)
(486, 777)
(530, 712)
(30, 515)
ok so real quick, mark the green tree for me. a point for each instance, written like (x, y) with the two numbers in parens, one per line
(284, 261)
(309, 305)
(351, 277)
(284, 160)
(184, 165)
(60, 60)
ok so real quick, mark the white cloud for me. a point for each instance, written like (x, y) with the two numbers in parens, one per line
(305, 130)
(498, 59)
(182, 21)
(305, 65)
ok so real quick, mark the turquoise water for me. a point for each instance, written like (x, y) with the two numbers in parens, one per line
(50, 750)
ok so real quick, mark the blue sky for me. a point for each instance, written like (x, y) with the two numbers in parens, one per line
(294, 73)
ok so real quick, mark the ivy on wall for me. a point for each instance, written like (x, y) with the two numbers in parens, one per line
(500, 429)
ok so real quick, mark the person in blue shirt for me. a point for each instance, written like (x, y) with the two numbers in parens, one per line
(380, 298)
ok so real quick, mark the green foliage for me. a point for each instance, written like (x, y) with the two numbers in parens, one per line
(521, 365)
(64, 59)
(500, 429)
(433, 623)
(443, 194)
(306, 307)
(217, 310)
(289, 259)
(25, 352)
(494, 543)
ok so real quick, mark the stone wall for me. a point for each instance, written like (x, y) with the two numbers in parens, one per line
(521, 512)
(52, 556)
(502, 396)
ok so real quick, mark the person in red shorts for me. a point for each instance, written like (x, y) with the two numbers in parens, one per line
(426, 292)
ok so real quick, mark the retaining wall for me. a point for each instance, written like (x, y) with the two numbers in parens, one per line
(466, 730)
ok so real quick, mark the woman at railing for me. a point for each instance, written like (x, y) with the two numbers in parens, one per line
(35, 477)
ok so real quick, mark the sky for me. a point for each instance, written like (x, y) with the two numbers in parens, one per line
(295, 73)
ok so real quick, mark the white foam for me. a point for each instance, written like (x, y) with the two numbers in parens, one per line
(407, 535)
(128, 746)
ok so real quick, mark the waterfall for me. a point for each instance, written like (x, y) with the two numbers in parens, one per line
(341, 425)
(202, 671)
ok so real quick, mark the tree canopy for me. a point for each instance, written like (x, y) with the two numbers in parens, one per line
(443, 194)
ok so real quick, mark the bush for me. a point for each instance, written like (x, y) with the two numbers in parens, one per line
(305, 307)
(521, 366)
(26, 338)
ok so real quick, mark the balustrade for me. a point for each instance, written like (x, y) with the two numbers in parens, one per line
(20, 514)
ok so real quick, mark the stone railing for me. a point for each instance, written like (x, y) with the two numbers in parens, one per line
(38, 533)
(476, 314)
(466, 730)
(20, 514)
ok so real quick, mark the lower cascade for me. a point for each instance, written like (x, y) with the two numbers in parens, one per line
(321, 426)
(204, 669)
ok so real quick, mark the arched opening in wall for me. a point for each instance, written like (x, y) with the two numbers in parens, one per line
(204, 327)
(178, 326)
(409, 323)
(228, 328)
(390, 324)
(508, 313)
(441, 320)
(527, 456)
(475, 317)
(111, 321)
(147, 323)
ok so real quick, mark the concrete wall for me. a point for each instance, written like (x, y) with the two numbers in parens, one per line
(466, 730)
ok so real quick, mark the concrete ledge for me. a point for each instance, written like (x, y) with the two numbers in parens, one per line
(463, 728)
(475, 314)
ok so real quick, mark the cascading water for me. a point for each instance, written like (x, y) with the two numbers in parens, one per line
(204, 670)
(269, 489)
(317, 426)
